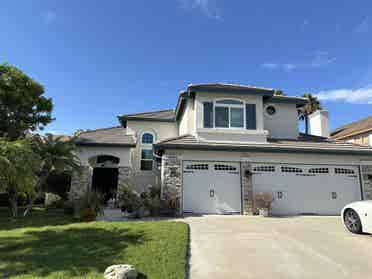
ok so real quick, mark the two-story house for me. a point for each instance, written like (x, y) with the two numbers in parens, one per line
(222, 144)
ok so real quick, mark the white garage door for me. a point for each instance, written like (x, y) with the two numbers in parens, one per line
(211, 187)
(307, 189)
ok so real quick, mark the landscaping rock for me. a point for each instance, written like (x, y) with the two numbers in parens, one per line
(51, 199)
(120, 271)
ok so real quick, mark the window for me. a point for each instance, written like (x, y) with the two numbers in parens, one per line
(319, 170)
(224, 167)
(197, 167)
(229, 114)
(146, 159)
(344, 171)
(271, 110)
(291, 169)
(147, 138)
(264, 168)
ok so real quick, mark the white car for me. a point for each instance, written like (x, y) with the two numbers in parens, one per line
(357, 216)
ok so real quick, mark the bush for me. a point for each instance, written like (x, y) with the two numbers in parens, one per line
(68, 207)
(91, 205)
(263, 200)
(59, 184)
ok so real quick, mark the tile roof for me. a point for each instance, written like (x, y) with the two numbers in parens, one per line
(354, 128)
(161, 115)
(229, 86)
(304, 143)
(114, 136)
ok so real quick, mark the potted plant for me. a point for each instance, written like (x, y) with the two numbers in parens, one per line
(263, 202)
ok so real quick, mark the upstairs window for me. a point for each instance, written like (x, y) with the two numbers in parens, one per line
(147, 138)
(146, 160)
(229, 113)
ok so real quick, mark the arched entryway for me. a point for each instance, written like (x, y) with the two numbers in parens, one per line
(105, 175)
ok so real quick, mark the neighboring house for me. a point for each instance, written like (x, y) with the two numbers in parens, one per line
(222, 144)
(359, 132)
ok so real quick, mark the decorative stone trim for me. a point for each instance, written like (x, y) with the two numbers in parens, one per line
(81, 181)
(247, 186)
(367, 181)
(172, 181)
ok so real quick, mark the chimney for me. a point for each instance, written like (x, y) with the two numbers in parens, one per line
(319, 123)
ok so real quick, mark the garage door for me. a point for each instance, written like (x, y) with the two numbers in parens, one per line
(211, 187)
(307, 189)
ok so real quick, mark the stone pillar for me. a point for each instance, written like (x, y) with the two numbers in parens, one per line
(81, 181)
(123, 173)
(367, 181)
(171, 185)
(247, 186)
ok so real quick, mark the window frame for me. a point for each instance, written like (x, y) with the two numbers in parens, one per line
(147, 133)
(146, 146)
(229, 106)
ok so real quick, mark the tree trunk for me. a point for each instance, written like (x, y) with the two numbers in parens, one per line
(39, 190)
(306, 124)
(13, 202)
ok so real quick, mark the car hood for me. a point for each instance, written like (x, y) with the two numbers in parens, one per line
(367, 203)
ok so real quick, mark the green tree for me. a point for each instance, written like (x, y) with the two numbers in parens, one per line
(18, 164)
(312, 105)
(57, 155)
(23, 106)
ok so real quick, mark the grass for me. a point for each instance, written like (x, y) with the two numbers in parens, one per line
(48, 244)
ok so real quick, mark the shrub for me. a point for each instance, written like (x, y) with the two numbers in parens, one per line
(59, 184)
(263, 200)
(68, 207)
(91, 205)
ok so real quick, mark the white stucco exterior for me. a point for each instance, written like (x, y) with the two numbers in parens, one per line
(284, 123)
(87, 152)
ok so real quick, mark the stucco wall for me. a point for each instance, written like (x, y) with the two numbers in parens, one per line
(284, 123)
(161, 130)
(86, 152)
(236, 134)
(187, 121)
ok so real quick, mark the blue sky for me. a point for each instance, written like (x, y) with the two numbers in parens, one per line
(99, 59)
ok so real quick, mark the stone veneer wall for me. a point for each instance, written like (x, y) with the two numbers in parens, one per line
(367, 181)
(123, 173)
(172, 179)
(80, 182)
(247, 186)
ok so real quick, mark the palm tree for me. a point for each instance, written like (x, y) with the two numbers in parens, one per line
(312, 105)
(57, 155)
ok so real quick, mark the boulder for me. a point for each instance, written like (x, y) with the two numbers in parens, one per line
(120, 271)
(51, 199)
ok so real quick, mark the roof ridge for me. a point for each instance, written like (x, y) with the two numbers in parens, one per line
(100, 129)
(231, 84)
(146, 112)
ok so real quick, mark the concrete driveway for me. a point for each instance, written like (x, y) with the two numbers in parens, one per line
(294, 247)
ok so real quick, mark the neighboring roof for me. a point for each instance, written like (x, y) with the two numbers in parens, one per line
(114, 136)
(159, 116)
(304, 143)
(358, 127)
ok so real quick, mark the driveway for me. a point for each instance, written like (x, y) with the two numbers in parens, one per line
(294, 247)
